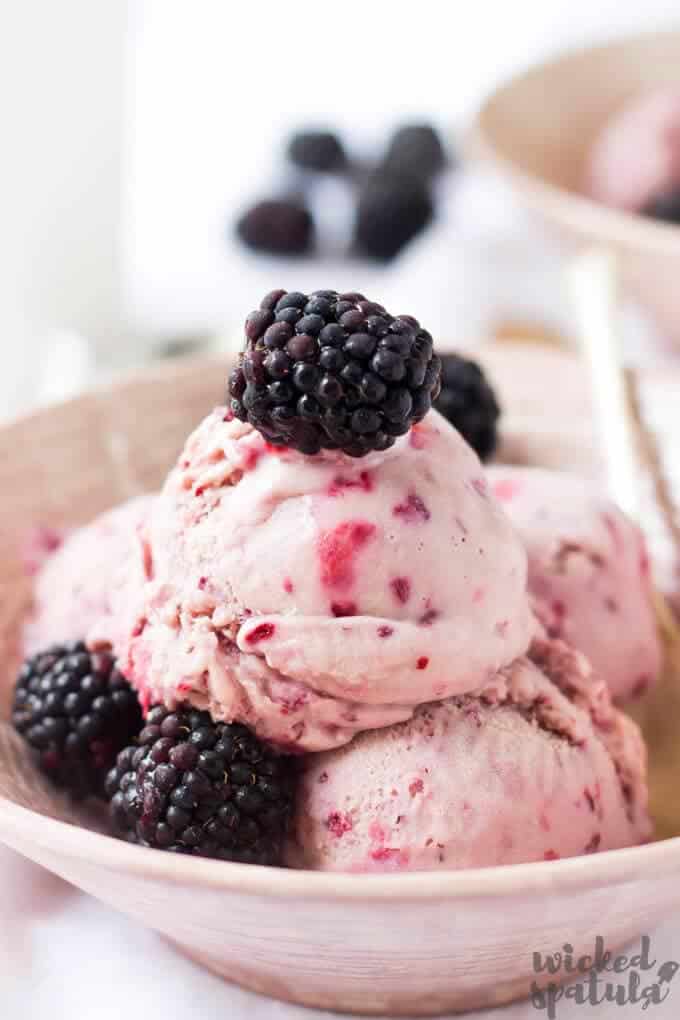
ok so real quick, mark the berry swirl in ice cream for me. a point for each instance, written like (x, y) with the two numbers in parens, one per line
(315, 597)
(537, 766)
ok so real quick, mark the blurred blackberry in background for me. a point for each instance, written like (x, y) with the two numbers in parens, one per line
(468, 401)
(415, 150)
(194, 786)
(381, 207)
(665, 207)
(333, 371)
(77, 711)
(277, 226)
(392, 209)
(317, 150)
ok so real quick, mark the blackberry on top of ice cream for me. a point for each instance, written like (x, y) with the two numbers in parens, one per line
(197, 787)
(77, 711)
(468, 401)
(333, 371)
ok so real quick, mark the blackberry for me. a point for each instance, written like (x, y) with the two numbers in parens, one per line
(392, 210)
(277, 226)
(333, 371)
(317, 150)
(417, 150)
(77, 711)
(469, 403)
(665, 207)
(197, 787)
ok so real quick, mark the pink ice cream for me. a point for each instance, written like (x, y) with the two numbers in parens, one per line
(589, 573)
(537, 766)
(637, 156)
(315, 597)
(73, 587)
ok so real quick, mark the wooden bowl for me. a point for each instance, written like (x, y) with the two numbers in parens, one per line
(411, 944)
(537, 130)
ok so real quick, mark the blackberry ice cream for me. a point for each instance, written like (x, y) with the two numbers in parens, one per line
(536, 766)
(315, 597)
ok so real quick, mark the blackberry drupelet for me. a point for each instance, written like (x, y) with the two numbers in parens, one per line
(333, 371)
(197, 787)
(317, 150)
(416, 149)
(393, 208)
(77, 710)
(469, 402)
(277, 226)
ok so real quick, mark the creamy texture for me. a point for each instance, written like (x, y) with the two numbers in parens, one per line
(589, 573)
(315, 597)
(74, 583)
(637, 155)
(536, 767)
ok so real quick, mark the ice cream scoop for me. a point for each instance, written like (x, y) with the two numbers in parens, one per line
(73, 586)
(637, 155)
(537, 766)
(589, 573)
(558, 434)
(315, 597)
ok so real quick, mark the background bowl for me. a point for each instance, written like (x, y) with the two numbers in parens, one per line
(398, 944)
(537, 130)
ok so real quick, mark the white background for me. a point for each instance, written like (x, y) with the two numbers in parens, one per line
(217, 85)
(132, 131)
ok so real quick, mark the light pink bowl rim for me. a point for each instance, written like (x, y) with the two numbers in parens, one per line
(612, 866)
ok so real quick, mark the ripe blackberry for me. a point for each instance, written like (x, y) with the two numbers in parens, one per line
(317, 150)
(416, 149)
(469, 403)
(197, 787)
(277, 226)
(333, 371)
(77, 710)
(393, 208)
(665, 207)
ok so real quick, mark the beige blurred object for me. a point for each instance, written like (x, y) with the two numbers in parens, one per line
(413, 944)
(509, 330)
(537, 131)
(658, 715)
(660, 709)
